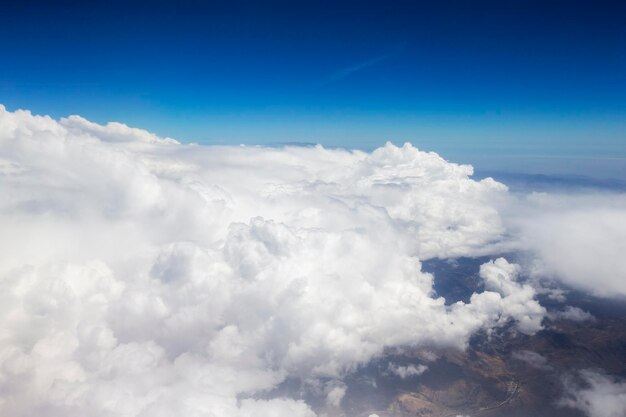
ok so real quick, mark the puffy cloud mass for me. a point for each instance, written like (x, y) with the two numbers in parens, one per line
(143, 277)
(407, 371)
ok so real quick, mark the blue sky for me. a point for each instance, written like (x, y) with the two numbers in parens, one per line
(498, 82)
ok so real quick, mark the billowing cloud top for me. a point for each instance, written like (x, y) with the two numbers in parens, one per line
(143, 277)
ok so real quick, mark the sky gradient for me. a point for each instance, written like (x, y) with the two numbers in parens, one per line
(485, 80)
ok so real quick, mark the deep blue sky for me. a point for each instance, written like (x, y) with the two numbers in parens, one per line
(471, 79)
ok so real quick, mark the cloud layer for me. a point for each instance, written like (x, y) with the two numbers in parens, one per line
(143, 277)
(579, 239)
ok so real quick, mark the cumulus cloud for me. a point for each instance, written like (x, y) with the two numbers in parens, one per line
(143, 277)
(407, 371)
(517, 300)
(596, 394)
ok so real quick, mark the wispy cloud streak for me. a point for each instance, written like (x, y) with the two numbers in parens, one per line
(343, 73)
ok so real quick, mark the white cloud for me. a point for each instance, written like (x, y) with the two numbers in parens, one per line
(534, 359)
(579, 239)
(142, 277)
(517, 300)
(407, 371)
(335, 393)
(572, 313)
(596, 394)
